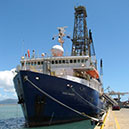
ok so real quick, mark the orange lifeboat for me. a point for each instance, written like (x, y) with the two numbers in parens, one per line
(93, 73)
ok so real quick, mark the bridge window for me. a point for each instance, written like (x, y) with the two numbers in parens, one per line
(78, 60)
(67, 61)
(39, 62)
(85, 60)
(56, 62)
(52, 61)
(22, 64)
(34, 63)
(82, 60)
(71, 61)
(74, 61)
(31, 63)
(26, 63)
(59, 61)
(63, 61)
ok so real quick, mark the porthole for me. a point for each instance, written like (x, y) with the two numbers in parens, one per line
(81, 88)
(37, 78)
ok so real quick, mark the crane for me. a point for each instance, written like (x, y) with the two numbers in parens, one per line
(111, 92)
(118, 94)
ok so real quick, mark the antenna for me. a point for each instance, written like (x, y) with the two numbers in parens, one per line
(101, 70)
(61, 35)
(92, 49)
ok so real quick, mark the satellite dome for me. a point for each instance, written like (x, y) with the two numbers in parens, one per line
(57, 50)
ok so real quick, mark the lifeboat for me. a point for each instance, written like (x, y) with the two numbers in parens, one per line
(93, 73)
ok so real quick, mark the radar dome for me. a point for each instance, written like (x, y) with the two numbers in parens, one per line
(57, 50)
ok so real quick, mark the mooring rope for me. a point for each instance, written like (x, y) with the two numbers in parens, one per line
(82, 114)
(86, 100)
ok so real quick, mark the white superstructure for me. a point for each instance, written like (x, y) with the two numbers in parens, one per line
(74, 68)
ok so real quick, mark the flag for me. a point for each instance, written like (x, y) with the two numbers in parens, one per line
(28, 51)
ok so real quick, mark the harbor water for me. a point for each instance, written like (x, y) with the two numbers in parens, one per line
(11, 117)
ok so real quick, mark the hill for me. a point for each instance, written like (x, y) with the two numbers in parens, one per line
(9, 101)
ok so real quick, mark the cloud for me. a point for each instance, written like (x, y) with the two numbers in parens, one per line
(4, 97)
(6, 80)
(15, 95)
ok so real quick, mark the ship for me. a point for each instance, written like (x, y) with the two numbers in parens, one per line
(59, 88)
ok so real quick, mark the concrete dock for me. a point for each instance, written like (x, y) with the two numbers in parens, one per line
(118, 119)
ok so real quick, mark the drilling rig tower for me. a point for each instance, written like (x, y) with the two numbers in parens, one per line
(81, 40)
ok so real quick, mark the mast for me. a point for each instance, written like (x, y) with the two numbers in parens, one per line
(61, 35)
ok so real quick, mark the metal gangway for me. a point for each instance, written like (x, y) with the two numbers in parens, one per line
(109, 99)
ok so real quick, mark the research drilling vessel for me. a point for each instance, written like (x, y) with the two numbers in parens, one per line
(58, 88)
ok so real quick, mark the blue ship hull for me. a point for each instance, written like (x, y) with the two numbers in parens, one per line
(39, 109)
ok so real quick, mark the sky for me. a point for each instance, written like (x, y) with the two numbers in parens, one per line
(31, 24)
